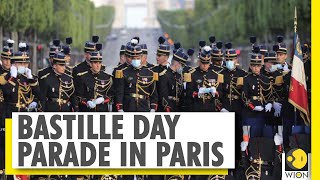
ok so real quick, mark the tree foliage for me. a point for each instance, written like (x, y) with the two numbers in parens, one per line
(235, 21)
(55, 19)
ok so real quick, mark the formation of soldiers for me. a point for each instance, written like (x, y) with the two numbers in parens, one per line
(266, 124)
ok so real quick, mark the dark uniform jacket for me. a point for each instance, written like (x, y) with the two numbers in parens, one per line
(232, 89)
(95, 85)
(57, 93)
(171, 85)
(18, 93)
(198, 79)
(136, 91)
(255, 90)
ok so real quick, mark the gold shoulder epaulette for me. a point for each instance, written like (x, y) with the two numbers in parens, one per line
(163, 72)
(44, 76)
(279, 80)
(2, 79)
(220, 78)
(187, 77)
(239, 81)
(119, 74)
(155, 76)
(82, 73)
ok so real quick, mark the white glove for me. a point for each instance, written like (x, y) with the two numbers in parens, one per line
(28, 73)
(278, 140)
(224, 110)
(212, 90)
(152, 110)
(258, 108)
(99, 100)
(32, 105)
(13, 71)
(91, 104)
(120, 110)
(277, 107)
(286, 68)
(201, 91)
(244, 145)
(184, 85)
(268, 107)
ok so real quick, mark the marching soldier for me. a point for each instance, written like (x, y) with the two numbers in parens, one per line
(21, 92)
(4, 70)
(257, 91)
(95, 90)
(282, 56)
(204, 85)
(127, 62)
(172, 83)
(217, 58)
(57, 88)
(163, 53)
(136, 91)
(84, 66)
(256, 88)
(184, 101)
(231, 99)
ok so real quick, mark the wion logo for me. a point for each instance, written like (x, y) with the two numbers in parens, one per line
(296, 165)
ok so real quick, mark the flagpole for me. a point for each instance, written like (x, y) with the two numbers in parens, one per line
(295, 23)
(295, 19)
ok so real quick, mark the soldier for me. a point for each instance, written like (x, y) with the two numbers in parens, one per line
(120, 66)
(21, 92)
(136, 91)
(57, 88)
(163, 53)
(204, 85)
(172, 83)
(282, 56)
(231, 99)
(95, 90)
(84, 67)
(53, 49)
(256, 90)
(277, 96)
(20, 87)
(217, 58)
(185, 101)
(4, 70)
(144, 59)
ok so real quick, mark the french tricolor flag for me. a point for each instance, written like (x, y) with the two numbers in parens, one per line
(298, 96)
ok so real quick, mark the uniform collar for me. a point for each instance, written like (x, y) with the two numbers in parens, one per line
(6, 70)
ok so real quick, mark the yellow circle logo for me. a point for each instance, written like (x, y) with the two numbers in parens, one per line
(296, 159)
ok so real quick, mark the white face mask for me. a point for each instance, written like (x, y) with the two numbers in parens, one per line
(136, 63)
(279, 66)
(230, 65)
(21, 70)
(273, 68)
